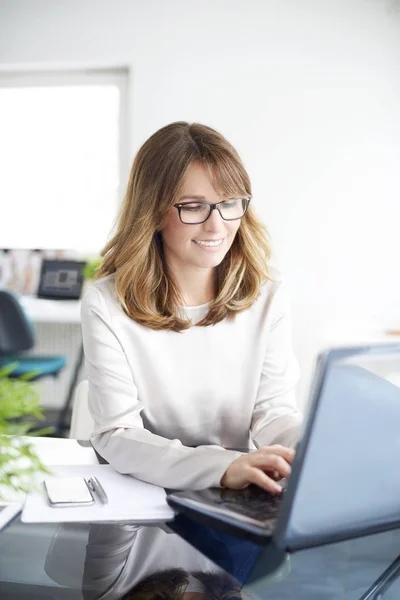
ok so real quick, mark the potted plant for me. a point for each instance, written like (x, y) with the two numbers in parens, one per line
(19, 412)
(91, 267)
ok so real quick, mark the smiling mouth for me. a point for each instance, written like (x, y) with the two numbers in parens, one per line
(209, 243)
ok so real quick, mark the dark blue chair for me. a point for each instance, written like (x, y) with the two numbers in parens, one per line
(17, 336)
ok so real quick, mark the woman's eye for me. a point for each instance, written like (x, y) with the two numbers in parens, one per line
(192, 207)
(230, 203)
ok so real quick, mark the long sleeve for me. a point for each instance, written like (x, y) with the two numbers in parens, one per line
(120, 436)
(276, 418)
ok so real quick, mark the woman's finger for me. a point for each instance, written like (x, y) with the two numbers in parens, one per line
(261, 479)
(271, 462)
(287, 453)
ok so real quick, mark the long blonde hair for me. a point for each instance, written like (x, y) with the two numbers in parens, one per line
(144, 285)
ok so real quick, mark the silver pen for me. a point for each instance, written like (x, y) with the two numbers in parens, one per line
(96, 486)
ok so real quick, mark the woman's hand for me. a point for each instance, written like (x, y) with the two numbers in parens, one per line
(261, 467)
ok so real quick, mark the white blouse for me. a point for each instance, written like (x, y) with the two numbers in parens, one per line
(168, 406)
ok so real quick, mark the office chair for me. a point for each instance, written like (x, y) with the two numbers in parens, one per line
(16, 336)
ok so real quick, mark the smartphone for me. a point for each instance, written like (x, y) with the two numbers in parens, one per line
(68, 491)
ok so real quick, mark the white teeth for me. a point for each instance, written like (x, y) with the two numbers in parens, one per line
(208, 244)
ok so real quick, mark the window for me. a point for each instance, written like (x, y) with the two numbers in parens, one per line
(61, 156)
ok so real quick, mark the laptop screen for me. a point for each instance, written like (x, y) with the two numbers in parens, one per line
(346, 477)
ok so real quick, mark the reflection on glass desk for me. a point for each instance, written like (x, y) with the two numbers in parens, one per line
(93, 561)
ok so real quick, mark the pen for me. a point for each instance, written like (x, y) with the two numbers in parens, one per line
(98, 488)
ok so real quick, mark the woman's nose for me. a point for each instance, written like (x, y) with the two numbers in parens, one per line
(214, 221)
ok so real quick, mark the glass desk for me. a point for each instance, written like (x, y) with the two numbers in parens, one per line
(89, 561)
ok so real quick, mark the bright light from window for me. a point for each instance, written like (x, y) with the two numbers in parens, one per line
(59, 157)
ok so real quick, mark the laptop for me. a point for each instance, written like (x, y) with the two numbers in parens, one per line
(345, 479)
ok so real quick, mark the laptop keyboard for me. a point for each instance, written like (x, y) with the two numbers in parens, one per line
(253, 501)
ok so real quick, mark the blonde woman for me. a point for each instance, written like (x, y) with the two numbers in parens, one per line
(186, 329)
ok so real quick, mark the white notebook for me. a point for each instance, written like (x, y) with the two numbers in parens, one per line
(129, 499)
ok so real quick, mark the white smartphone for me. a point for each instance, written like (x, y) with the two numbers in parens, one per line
(8, 511)
(68, 491)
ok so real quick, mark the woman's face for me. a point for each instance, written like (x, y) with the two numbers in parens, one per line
(200, 246)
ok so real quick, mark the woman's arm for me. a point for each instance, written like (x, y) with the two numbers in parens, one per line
(276, 418)
(120, 436)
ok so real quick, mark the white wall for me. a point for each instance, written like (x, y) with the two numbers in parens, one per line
(309, 93)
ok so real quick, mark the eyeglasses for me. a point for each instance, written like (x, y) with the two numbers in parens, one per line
(194, 213)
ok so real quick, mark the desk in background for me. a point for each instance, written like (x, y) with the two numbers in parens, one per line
(52, 311)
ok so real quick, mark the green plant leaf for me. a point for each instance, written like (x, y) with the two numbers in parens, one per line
(89, 270)
(19, 412)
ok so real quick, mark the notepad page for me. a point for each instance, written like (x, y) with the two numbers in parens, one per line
(129, 499)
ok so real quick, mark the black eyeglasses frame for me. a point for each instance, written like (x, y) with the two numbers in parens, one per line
(212, 207)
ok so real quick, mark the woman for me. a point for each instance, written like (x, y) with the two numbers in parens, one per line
(186, 330)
